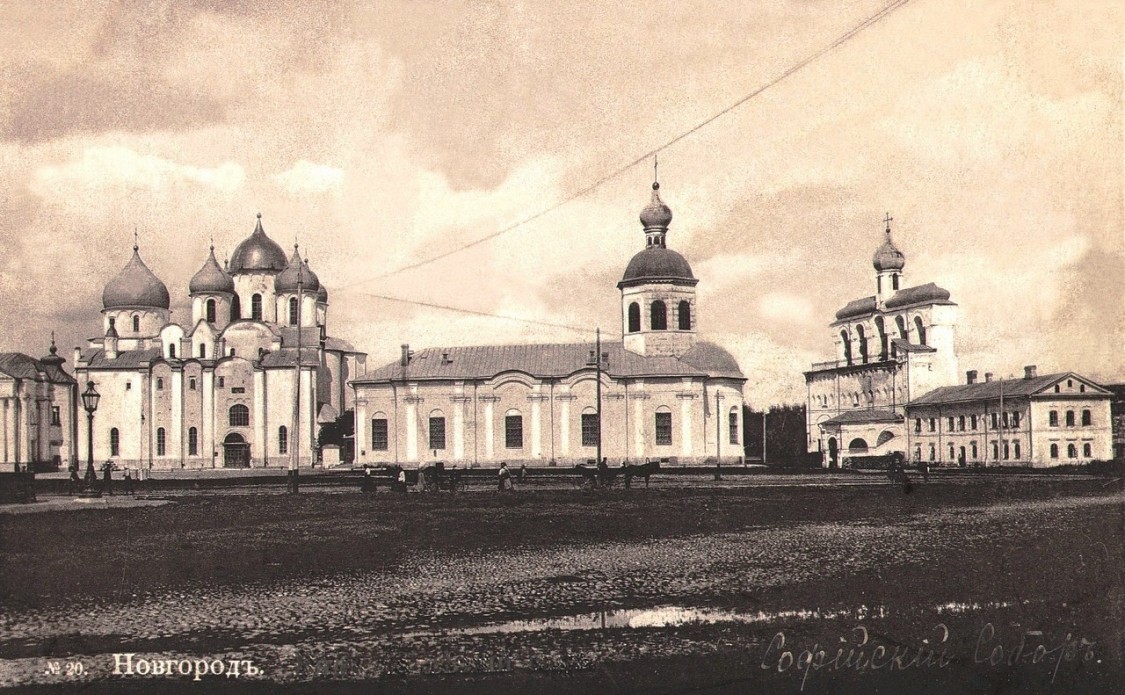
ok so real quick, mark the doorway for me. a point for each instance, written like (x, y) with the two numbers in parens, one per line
(236, 451)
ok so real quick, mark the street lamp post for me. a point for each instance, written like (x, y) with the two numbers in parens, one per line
(90, 398)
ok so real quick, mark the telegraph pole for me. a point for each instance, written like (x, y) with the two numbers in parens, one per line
(295, 454)
(598, 368)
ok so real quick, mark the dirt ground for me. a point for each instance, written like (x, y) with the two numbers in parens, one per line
(992, 585)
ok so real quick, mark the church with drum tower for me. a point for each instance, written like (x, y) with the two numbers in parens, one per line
(665, 393)
(247, 381)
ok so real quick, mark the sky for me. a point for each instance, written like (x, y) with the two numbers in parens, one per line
(378, 135)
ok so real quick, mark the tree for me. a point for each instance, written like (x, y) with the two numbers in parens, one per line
(785, 435)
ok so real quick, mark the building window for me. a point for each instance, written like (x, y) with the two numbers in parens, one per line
(933, 453)
(192, 441)
(950, 423)
(1071, 451)
(437, 432)
(634, 317)
(1056, 388)
(1086, 418)
(56, 416)
(847, 342)
(172, 350)
(232, 352)
(256, 307)
(283, 440)
(733, 426)
(1054, 451)
(161, 441)
(1053, 418)
(921, 330)
(933, 424)
(191, 383)
(159, 384)
(974, 447)
(222, 382)
(1015, 420)
(685, 316)
(203, 351)
(128, 386)
(952, 453)
(973, 422)
(961, 423)
(1005, 419)
(1070, 418)
(1086, 451)
(238, 389)
(589, 429)
(1007, 451)
(513, 431)
(995, 421)
(114, 442)
(861, 338)
(664, 428)
(136, 324)
(293, 311)
(210, 311)
(1082, 388)
(917, 425)
(658, 319)
(379, 439)
(1016, 450)
(917, 453)
(995, 451)
(239, 416)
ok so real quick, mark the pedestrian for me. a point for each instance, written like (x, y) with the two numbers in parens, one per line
(402, 479)
(926, 471)
(368, 484)
(107, 478)
(75, 482)
(718, 470)
(504, 481)
(127, 483)
(523, 471)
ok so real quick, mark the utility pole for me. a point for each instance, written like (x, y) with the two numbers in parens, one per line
(598, 368)
(765, 411)
(295, 454)
(718, 429)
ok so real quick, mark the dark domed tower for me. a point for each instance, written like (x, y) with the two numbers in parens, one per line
(135, 303)
(888, 262)
(212, 292)
(297, 275)
(253, 266)
(658, 291)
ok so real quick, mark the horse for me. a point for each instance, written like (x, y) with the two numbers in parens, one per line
(596, 476)
(640, 470)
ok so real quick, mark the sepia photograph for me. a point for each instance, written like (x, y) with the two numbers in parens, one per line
(514, 346)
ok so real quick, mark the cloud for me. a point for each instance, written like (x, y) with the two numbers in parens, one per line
(307, 177)
(786, 308)
(99, 168)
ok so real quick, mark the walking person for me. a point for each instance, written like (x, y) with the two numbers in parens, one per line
(504, 481)
(107, 478)
(75, 482)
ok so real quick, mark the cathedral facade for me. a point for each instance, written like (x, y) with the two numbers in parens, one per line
(663, 392)
(891, 347)
(247, 382)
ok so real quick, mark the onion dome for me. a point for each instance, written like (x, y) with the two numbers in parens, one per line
(257, 253)
(888, 257)
(656, 214)
(657, 264)
(322, 295)
(211, 278)
(53, 358)
(135, 287)
(287, 279)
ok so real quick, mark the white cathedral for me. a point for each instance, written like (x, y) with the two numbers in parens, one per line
(222, 390)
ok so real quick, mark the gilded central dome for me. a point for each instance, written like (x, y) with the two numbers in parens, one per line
(258, 253)
(135, 287)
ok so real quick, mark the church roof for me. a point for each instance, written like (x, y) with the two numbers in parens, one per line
(927, 294)
(854, 417)
(287, 357)
(127, 359)
(211, 277)
(135, 286)
(20, 366)
(297, 269)
(310, 337)
(257, 252)
(657, 264)
(1010, 388)
(552, 360)
(887, 256)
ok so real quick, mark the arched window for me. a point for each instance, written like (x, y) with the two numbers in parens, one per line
(921, 330)
(961, 423)
(380, 441)
(1053, 418)
(159, 384)
(239, 416)
(1086, 451)
(1016, 450)
(659, 316)
(1086, 418)
(161, 441)
(589, 427)
(952, 453)
(634, 317)
(136, 323)
(1070, 418)
(1054, 451)
(203, 350)
(114, 442)
(861, 340)
(235, 309)
(883, 342)
(847, 342)
(685, 315)
(901, 323)
(732, 423)
(1071, 451)
(172, 350)
(437, 430)
(513, 430)
(663, 426)
(210, 311)
(256, 307)
(292, 311)
(884, 437)
(191, 384)
(283, 440)
(858, 446)
(193, 441)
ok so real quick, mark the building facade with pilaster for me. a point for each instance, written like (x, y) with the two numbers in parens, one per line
(37, 412)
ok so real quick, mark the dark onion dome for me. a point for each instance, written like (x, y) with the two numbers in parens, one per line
(656, 214)
(286, 280)
(211, 278)
(888, 257)
(135, 287)
(922, 294)
(657, 264)
(257, 252)
(322, 295)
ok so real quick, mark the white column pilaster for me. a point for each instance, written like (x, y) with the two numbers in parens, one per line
(260, 448)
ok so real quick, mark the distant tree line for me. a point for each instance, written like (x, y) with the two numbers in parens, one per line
(785, 435)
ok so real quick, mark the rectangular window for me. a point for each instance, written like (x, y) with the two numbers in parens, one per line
(1015, 422)
(379, 438)
(734, 428)
(238, 389)
(950, 423)
(437, 433)
(1016, 450)
(961, 424)
(1007, 450)
(283, 440)
(995, 451)
(664, 429)
(589, 429)
(222, 382)
(1053, 418)
(1087, 418)
(933, 424)
(995, 423)
(1070, 418)
(56, 416)
(1005, 421)
(973, 422)
(160, 441)
(917, 424)
(513, 431)
(193, 441)
(974, 451)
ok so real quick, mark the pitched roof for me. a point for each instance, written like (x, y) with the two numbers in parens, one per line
(126, 359)
(849, 417)
(991, 390)
(553, 360)
(287, 357)
(310, 337)
(906, 297)
(21, 366)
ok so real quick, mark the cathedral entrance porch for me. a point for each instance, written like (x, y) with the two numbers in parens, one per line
(236, 451)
